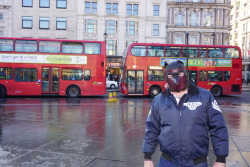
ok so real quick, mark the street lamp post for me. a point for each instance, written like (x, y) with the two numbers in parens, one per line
(105, 36)
(187, 55)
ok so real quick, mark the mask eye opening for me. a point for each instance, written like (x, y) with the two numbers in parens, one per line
(170, 76)
(181, 74)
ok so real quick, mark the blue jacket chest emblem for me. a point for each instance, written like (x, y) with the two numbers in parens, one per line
(192, 105)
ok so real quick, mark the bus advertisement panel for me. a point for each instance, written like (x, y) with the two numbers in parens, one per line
(52, 67)
(216, 68)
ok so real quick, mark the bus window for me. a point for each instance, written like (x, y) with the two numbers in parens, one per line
(26, 46)
(6, 45)
(203, 76)
(139, 50)
(49, 47)
(192, 76)
(72, 47)
(155, 75)
(231, 53)
(26, 74)
(92, 48)
(168, 53)
(72, 74)
(156, 51)
(173, 51)
(226, 75)
(214, 75)
(203, 52)
(176, 52)
(87, 74)
(192, 52)
(5, 73)
(215, 53)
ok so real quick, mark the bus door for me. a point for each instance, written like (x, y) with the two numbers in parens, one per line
(192, 76)
(50, 80)
(135, 81)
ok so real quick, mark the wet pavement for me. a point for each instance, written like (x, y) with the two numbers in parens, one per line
(91, 132)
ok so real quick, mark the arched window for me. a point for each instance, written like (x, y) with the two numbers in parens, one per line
(179, 19)
(208, 20)
(194, 19)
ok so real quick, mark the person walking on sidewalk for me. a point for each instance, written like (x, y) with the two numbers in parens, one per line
(180, 120)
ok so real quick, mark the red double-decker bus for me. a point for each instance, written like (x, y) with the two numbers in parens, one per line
(216, 68)
(52, 67)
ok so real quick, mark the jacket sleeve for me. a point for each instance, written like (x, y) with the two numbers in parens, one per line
(152, 131)
(218, 130)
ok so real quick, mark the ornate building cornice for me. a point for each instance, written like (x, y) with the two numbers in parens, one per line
(199, 5)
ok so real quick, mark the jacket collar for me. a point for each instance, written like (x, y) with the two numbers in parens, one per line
(192, 90)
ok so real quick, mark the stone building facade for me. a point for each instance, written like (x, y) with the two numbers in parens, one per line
(123, 22)
(240, 32)
(44, 19)
(6, 23)
(206, 21)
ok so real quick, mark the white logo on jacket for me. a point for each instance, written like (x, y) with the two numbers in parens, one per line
(216, 106)
(149, 113)
(192, 105)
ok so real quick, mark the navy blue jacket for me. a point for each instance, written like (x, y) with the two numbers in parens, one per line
(183, 130)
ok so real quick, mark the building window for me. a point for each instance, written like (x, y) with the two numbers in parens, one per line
(112, 8)
(27, 22)
(178, 40)
(129, 42)
(61, 23)
(90, 26)
(131, 27)
(44, 23)
(208, 20)
(132, 9)
(156, 10)
(207, 41)
(193, 40)
(194, 18)
(111, 47)
(209, 1)
(111, 26)
(44, 3)
(91, 7)
(1, 16)
(27, 3)
(61, 4)
(179, 21)
(155, 29)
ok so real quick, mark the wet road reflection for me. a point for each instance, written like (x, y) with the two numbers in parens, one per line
(93, 132)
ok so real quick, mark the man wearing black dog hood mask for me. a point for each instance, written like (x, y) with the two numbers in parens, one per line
(181, 119)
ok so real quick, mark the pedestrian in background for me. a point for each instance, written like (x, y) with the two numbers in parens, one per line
(180, 120)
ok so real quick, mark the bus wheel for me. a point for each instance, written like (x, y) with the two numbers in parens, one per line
(155, 90)
(3, 92)
(73, 91)
(216, 91)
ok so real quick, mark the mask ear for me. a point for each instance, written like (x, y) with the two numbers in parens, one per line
(178, 61)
